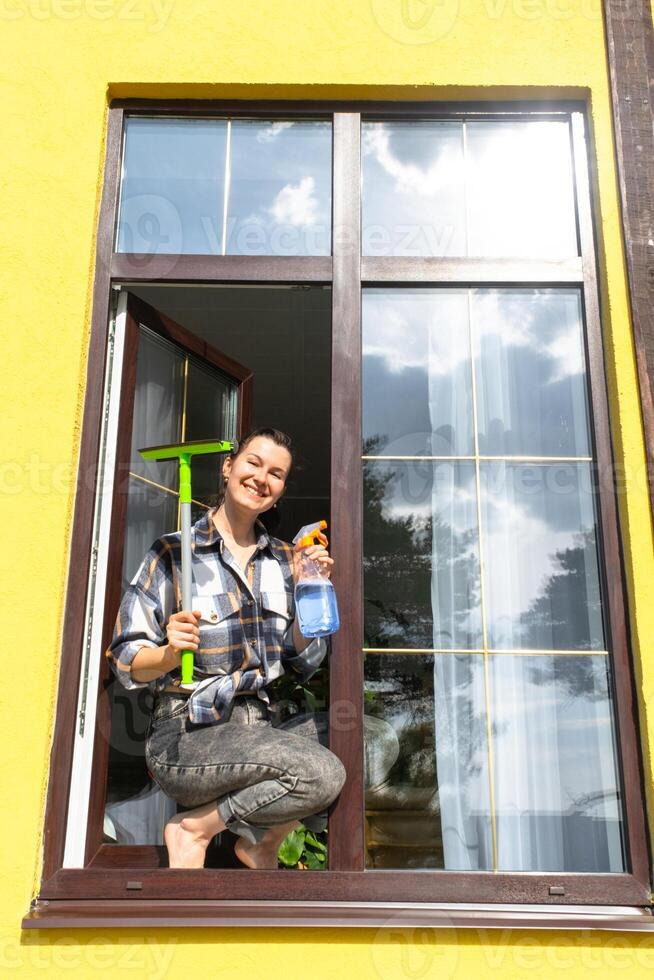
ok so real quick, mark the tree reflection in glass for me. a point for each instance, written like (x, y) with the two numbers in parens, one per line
(414, 514)
(541, 571)
(425, 804)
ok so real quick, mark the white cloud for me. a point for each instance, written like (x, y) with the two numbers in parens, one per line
(548, 325)
(428, 332)
(271, 132)
(410, 178)
(567, 353)
(296, 204)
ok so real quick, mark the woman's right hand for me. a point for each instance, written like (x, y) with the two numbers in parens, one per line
(182, 631)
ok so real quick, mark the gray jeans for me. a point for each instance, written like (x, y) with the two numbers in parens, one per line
(259, 772)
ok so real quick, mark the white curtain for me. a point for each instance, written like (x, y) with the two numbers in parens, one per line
(139, 819)
(157, 416)
(546, 720)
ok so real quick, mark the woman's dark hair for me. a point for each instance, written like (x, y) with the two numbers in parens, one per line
(270, 518)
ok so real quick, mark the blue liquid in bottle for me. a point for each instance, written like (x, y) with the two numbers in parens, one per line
(317, 609)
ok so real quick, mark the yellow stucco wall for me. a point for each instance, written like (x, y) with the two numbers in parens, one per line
(61, 61)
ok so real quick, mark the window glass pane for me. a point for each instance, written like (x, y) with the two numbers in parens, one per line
(519, 189)
(534, 722)
(541, 575)
(279, 200)
(421, 564)
(556, 788)
(417, 384)
(210, 414)
(158, 400)
(555, 803)
(531, 372)
(172, 186)
(136, 810)
(151, 512)
(482, 189)
(413, 188)
(432, 808)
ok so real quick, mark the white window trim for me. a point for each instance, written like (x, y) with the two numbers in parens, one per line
(80, 783)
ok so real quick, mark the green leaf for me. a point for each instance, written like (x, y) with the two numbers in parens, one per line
(310, 698)
(316, 845)
(314, 861)
(291, 848)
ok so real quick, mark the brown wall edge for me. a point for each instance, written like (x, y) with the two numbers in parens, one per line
(630, 53)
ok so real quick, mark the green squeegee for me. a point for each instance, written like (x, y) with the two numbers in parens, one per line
(184, 451)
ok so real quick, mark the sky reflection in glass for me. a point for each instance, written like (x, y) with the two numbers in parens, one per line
(417, 379)
(531, 372)
(541, 573)
(477, 188)
(172, 186)
(413, 188)
(221, 187)
(519, 190)
(279, 199)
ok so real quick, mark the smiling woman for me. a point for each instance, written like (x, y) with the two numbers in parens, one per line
(220, 757)
(261, 468)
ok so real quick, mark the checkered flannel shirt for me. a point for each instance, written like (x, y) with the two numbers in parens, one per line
(246, 625)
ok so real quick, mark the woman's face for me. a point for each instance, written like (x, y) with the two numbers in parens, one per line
(255, 479)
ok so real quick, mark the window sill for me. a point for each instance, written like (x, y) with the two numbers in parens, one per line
(132, 913)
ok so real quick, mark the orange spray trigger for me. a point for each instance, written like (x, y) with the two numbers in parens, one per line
(311, 534)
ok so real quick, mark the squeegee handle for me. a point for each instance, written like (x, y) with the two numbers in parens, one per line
(187, 557)
(187, 666)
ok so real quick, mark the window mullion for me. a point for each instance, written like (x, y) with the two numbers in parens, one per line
(346, 840)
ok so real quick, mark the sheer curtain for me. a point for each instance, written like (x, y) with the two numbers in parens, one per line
(525, 747)
(157, 421)
(139, 818)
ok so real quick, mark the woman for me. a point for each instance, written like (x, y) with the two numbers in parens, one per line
(216, 750)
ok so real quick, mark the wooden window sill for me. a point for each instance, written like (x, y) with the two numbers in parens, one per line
(135, 913)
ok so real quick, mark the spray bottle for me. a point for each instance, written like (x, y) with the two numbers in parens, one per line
(315, 597)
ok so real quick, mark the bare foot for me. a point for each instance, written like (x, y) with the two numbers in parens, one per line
(256, 856)
(263, 856)
(187, 836)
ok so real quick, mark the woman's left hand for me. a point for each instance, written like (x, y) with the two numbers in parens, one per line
(318, 553)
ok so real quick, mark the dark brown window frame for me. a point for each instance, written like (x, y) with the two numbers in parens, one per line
(125, 885)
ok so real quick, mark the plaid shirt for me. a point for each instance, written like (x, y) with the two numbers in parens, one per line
(246, 627)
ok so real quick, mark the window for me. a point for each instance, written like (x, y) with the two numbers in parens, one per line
(470, 488)
(483, 627)
(230, 186)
